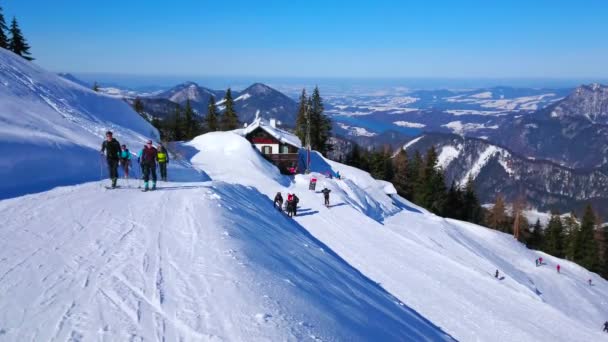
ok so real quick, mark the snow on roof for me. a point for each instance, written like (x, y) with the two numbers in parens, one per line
(279, 134)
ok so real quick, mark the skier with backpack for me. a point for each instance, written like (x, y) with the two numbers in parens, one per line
(111, 147)
(125, 160)
(148, 162)
(278, 201)
(326, 192)
(163, 160)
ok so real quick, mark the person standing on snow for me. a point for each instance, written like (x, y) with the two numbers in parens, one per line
(496, 275)
(148, 162)
(326, 192)
(163, 160)
(558, 268)
(111, 147)
(289, 205)
(540, 261)
(278, 201)
(125, 160)
(606, 326)
(536, 261)
(295, 205)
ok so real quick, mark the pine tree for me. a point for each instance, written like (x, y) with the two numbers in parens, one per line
(320, 129)
(176, 125)
(454, 203)
(536, 236)
(18, 44)
(211, 120)
(571, 231)
(95, 87)
(497, 218)
(554, 237)
(230, 119)
(301, 118)
(424, 191)
(400, 177)
(191, 124)
(4, 41)
(473, 211)
(414, 171)
(586, 251)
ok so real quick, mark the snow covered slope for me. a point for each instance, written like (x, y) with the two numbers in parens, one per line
(202, 261)
(442, 268)
(51, 128)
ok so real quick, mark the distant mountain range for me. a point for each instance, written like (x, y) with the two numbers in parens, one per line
(497, 170)
(258, 97)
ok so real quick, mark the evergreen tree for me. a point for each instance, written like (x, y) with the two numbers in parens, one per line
(191, 124)
(95, 86)
(554, 237)
(17, 43)
(454, 203)
(423, 195)
(400, 176)
(4, 41)
(211, 120)
(536, 236)
(473, 212)
(571, 231)
(414, 172)
(586, 251)
(176, 125)
(230, 119)
(354, 157)
(320, 123)
(301, 118)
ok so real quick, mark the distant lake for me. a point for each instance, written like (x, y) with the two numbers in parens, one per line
(370, 124)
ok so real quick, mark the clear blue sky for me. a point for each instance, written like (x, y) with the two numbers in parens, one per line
(507, 38)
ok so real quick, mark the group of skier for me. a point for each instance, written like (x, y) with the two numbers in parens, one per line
(148, 157)
(291, 205)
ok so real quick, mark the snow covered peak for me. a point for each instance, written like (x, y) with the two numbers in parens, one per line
(259, 89)
(588, 101)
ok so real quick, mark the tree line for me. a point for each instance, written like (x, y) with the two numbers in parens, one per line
(311, 112)
(583, 241)
(184, 123)
(420, 180)
(12, 38)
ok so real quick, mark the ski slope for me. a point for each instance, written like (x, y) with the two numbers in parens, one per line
(51, 128)
(444, 269)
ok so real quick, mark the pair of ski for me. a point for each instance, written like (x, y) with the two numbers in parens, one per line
(119, 187)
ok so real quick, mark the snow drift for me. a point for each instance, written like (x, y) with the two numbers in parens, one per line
(52, 128)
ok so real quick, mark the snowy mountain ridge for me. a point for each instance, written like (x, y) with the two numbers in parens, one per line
(55, 125)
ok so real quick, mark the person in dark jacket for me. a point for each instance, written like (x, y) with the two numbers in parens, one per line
(289, 205)
(296, 200)
(278, 201)
(326, 192)
(496, 274)
(111, 147)
(148, 162)
(606, 326)
(163, 160)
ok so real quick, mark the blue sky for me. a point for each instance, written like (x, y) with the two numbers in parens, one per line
(452, 39)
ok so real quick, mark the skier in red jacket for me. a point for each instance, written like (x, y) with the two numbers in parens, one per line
(558, 268)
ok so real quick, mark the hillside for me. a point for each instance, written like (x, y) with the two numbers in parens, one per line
(52, 128)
